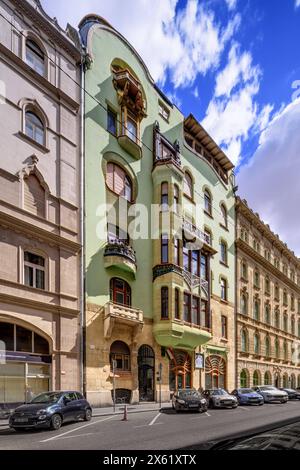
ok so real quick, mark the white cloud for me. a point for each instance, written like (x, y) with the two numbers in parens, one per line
(233, 111)
(183, 44)
(270, 182)
(231, 4)
(297, 3)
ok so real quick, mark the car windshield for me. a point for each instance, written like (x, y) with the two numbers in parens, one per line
(244, 391)
(51, 397)
(220, 391)
(188, 393)
(265, 389)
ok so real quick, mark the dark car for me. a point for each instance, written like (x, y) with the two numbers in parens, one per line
(292, 394)
(247, 396)
(220, 398)
(51, 409)
(188, 399)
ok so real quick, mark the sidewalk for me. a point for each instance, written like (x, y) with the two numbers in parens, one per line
(138, 408)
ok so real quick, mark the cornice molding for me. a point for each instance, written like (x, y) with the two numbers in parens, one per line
(265, 230)
(246, 248)
(37, 305)
(35, 232)
(49, 26)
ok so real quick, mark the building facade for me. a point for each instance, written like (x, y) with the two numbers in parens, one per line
(159, 235)
(39, 203)
(268, 305)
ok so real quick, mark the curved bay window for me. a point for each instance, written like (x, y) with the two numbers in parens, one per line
(120, 292)
(34, 127)
(35, 57)
(215, 372)
(120, 353)
(26, 372)
(180, 371)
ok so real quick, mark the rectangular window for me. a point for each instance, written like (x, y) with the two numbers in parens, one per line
(195, 262)
(132, 128)
(177, 314)
(111, 121)
(204, 267)
(186, 258)
(223, 289)
(164, 197)
(176, 200)
(164, 302)
(204, 320)
(224, 326)
(164, 249)
(187, 308)
(24, 339)
(196, 311)
(163, 111)
(34, 270)
(177, 251)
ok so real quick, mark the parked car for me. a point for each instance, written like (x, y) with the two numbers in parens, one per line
(247, 396)
(271, 394)
(292, 394)
(219, 398)
(51, 409)
(188, 399)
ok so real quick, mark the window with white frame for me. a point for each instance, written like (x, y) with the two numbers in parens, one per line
(34, 270)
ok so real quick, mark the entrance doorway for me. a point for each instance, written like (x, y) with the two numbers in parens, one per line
(215, 372)
(180, 370)
(146, 363)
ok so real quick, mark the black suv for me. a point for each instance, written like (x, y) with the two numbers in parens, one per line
(51, 409)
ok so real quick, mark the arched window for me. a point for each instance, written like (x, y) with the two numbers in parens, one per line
(120, 353)
(244, 270)
(256, 310)
(18, 338)
(244, 379)
(256, 344)
(277, 349)
(285, 380)
(164, 201)
(120, 292)
(176, 199)
(223, 283)
(224, 216)
(188, 185)
(267, 314)
(207, 202)
(267, 285)
(267, 347)
(34, 196)
(35, 57)
(293, 381)
(164, 302)
(256, 279)
(267, 378)
(285, 297)
(244, 304)
(244, 341)
(223, 252)
(34, 127)
(256, 378)
(277, 319)
(276, 292)
(119, 182)
(285, 351)
(34, 270)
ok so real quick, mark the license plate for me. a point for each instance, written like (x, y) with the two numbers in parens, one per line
(21, 420)
(193, 406)
(228, 402)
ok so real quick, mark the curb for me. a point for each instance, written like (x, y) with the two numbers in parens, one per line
(111, 413)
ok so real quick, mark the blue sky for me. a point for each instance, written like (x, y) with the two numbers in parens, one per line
(232, 63)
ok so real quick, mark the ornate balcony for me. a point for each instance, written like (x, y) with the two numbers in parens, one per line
(121, 314)
(180, 334)
(164, 151)
(119, 254)
(129, 92)
(193, 233)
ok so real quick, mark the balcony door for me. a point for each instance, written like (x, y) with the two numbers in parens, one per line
(120, 292)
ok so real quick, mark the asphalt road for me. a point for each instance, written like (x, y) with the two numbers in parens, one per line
(151, 430)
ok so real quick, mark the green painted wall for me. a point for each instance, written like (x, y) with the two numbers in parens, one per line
(98, 82)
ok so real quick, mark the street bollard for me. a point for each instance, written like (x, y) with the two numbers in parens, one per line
(125, 417)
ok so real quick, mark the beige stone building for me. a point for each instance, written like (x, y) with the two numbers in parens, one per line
(268, 305)
(39, 203)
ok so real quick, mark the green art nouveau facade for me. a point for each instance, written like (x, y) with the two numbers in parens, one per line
(159, 306)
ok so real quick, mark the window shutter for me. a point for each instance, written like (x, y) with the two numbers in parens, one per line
(34, 196)
(110, 176)
(119, 180)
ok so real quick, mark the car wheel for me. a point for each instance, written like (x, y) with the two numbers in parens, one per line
(55, 422)
(88, 415)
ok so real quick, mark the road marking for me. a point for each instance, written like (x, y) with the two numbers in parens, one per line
(242, 408)
(76, 429)
(207, 414)
(198, 417)
(154, 419)
(79, 435)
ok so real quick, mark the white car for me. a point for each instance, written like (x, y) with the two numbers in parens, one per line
(271, 394)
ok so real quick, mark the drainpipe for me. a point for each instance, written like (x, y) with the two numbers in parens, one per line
(82, 231)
